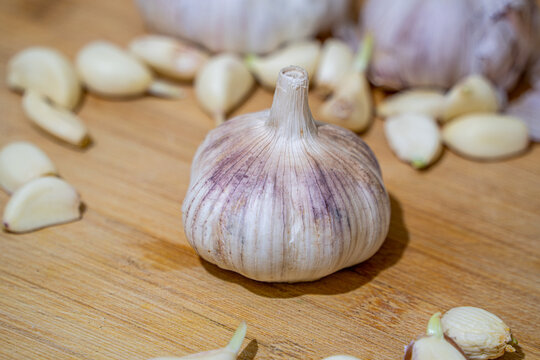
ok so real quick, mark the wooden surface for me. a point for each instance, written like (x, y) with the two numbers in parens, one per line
(123, 283)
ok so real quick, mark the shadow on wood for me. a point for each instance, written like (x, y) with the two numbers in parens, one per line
(518, 355)
(249, 351)
(343, 281)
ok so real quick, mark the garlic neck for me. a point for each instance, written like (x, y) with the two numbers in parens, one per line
(290, 114)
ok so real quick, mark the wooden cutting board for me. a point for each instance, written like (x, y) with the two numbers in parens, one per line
(123, 283)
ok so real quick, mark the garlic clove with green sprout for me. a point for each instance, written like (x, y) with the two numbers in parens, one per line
(222, 83)
(229, 352)
(279, 197)
(472, 94)
(434, 345)
(480, 334)
(414, 138)
(350, 105)
(336, 58)
(427, 102)
(266, 68)
(46, 71)
(486, 136)
(169, 56)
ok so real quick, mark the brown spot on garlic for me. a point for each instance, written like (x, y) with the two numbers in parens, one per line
(47, 72)
(479, 333)
(21, 162)
(276, 196)
(486, 136)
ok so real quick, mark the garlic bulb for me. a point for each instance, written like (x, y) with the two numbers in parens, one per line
(277, 196)
(438, 42)
(243, 26)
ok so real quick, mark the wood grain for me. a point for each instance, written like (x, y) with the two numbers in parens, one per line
(123, 283)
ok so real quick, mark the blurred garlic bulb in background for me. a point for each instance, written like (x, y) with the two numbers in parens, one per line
(277, 196)
(438, 42)
(243, 26)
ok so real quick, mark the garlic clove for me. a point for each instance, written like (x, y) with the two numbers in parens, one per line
(434, 345)
(165, 89)
(336, 58)
(21, 162)
(418, 101)
(46, 71)
(527, 108)
(479, 333)
(39, 203)
(486, 136)
(229, 352)
(266, 68)
(350, 106)
(414, 138)
(169, 56)
(108, 70)
(57, 121)
(222, 83)
(472, 94)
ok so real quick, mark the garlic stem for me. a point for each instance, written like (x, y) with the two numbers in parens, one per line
(434, 327)
(363, 57)
(290, 113)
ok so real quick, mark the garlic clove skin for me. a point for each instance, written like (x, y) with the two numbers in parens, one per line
(108, 70)
(486, 136)
(279, 197)
(169, 56)
(266, 68)
(57, 121)
(418, 101)
(46, 71)
(229, 352)
(21, 162)
(472, 94)
(39, 203)
(480, 334)
(434, 345)
(336, 57)
(222, 84)
(414, 138)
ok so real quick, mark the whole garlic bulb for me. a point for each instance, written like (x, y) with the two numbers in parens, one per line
(243, 26)
(277, 196)
(438, 42)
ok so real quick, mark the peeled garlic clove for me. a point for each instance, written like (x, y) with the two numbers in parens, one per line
(472, 94)
(229, 352)
(434, 345)
(46, 71)
(417, 101)
(336, 58)
(479, 333)
(350, 106)
(266, 68)
(169, 56)
(21, 162)
(166, 89)
(57, 121)
(222, 83)
(39, 203)
(527, 108)
(279, 197)
(108, 70)
(486, 136)
(414, 138)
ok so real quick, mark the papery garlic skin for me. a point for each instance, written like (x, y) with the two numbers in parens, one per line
(108, 70)
(266, 68)
(242, 26)
(169, 56)
(278, 197)
(335, 60)
(222, 83)
(437, 43)
(480, 334)
(47, 71)
(20, 162)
